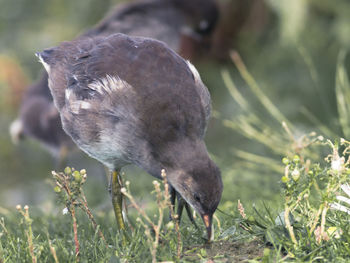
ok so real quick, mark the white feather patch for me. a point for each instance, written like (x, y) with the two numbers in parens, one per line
(16, 129)
(68, 93)
(46, 66)
(109, 84)
(197, 77)
(76, 106)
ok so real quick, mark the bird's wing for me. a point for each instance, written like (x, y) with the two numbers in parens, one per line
(132, 70)
(203, 93)
(160, 80)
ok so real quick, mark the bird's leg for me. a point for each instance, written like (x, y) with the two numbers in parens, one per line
(117, 198)
(180, 207)
(181, 203)
(190, 215)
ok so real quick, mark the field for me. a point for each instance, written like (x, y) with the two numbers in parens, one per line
(280, 134)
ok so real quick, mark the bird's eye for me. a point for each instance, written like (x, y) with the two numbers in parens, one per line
(196, 197)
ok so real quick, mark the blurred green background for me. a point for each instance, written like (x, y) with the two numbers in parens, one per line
(290, 47)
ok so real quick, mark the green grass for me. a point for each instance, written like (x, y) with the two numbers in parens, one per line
(301, 81)
(301, 227)
(304, 228)
(55, 230)
(292, 221)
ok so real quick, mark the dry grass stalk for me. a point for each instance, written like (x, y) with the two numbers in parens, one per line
(75, 230)
(52, 250)
(241, 209)
(28, 231)
(163, 201)
(62, 181)
(2, 224)
(288, 224)
(71, 183)
(86, 209)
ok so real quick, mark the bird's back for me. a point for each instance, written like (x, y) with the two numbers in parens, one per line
(154, 19)
(164, 20)
(134, 81)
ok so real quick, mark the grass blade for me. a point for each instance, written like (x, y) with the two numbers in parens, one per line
(253, 85)
(342, 88)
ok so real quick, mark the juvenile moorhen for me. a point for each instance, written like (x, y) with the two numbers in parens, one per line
(171, 21)
(132, 100)
(39, 119)
(184, 25)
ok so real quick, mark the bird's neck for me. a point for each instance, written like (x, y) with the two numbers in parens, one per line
(177, 156)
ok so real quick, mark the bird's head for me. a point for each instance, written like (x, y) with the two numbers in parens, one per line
(203, 15)
(201, 188)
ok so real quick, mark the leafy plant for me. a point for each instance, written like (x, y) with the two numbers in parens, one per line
(69, 188)
(313, 222)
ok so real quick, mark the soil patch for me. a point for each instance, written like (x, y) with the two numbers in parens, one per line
(225, 251)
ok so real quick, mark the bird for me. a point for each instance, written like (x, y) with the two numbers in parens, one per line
(38, 118)
(184, 25)
(133, 100)
(181, 24)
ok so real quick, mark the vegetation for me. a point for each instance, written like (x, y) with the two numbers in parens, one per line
(280, 135)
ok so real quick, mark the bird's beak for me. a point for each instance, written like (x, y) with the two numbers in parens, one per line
(208, 224)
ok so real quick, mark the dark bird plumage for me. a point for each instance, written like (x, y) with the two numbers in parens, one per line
(171, 21)
(39, 119)
(179, 23)
(131, 100)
